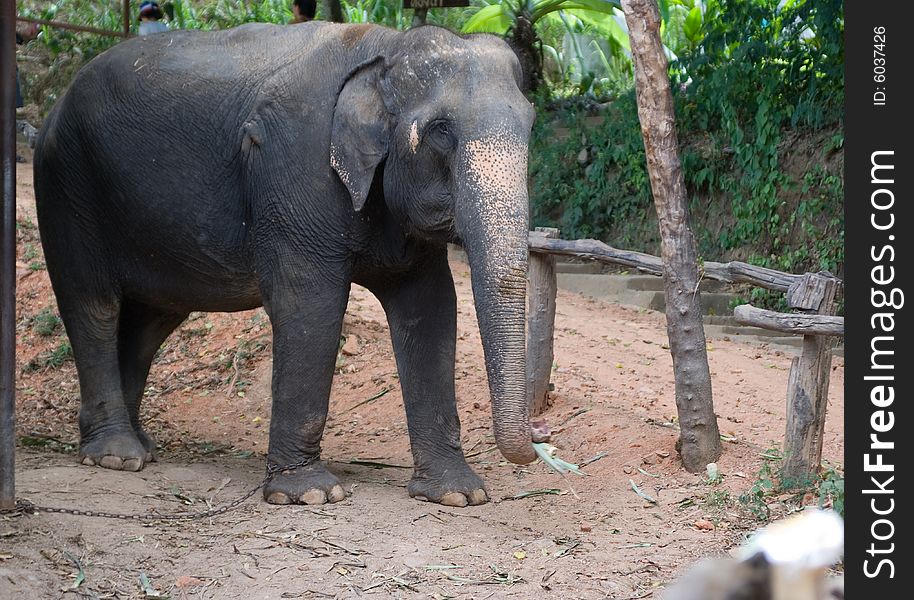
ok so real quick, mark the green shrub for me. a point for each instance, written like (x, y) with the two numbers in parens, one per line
(46, 322)
(831, 490)
(755, 499)
(757, 78)
(52, 359)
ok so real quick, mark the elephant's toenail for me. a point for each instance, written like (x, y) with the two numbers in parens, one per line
(111, 462)
(278, 498)
(150, 457)
(454, 499)
(477, 497)
(88, 461)
(314, 497)
(336, 494)
(133, 464)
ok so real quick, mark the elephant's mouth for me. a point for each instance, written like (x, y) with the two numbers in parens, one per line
(443, 231)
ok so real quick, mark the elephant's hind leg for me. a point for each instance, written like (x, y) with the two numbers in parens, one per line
(141, 332)
(107, 438)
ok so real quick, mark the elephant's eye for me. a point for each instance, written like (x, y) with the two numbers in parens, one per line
(439, 135)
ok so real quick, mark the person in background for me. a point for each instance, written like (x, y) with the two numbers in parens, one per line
(150, 13)
(23, 35)
(303, 10)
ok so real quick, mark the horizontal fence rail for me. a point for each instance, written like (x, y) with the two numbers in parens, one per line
(797, 323)
(78, 28)
(729, 272)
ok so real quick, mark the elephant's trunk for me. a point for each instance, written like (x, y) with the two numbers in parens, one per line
(492, 216)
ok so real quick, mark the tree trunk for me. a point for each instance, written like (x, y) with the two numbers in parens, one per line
(526, 44)
(334, 11)
(419, 17)
(699, 440)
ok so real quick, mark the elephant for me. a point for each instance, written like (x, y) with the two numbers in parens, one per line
(275, 166)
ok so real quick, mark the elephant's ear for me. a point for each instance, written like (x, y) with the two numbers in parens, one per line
(358, 138)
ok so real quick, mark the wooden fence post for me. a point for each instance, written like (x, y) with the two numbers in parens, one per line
(807, 385)
(541, 289)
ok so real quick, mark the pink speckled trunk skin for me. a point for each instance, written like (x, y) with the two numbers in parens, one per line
(493, 220)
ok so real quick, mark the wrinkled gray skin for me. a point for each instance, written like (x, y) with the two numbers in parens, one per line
(274, 166)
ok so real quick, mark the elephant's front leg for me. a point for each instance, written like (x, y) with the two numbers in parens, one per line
(307, 319)
(422, 312)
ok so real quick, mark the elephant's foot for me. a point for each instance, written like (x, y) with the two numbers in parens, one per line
(311, 484)
(121, 451)
(148, 443)
(452, 484)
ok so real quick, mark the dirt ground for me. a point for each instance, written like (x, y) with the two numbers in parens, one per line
(207, 405)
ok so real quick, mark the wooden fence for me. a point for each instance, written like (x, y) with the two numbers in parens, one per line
(811, 294)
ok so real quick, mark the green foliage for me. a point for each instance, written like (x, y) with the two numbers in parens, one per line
(66, 50)
(521, 20)
(718, 499)
(755, 72)
(762, 487)
(47, 443)
(222, 14)
(52, 359)
(376, 11)
(587, 57)
(691, 26)
(831, 490)
(828, 486)
(751, 79)
(575, 194)
(499, 16)
(30, 253)
(46, 322)
(105, 15)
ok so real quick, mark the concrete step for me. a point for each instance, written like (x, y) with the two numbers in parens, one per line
(638, 281)
(630, 290)
(590, 267)
(593, 285)
(727, 325)
(753, 335)
(607, 284)
(775, 337)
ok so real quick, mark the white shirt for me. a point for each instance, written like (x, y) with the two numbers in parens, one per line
(147, 27)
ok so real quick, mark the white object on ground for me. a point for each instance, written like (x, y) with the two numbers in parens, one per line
(799, 550)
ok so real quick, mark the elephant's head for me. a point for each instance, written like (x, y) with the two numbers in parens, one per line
(445, 119)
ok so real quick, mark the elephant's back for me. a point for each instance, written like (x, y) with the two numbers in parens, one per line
(207, 83)
(186, 68)
(193, 64)
(159, 99)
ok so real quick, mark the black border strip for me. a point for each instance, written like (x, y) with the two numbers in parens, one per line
(878, 243)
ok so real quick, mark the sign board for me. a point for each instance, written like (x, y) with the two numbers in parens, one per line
(435, 3)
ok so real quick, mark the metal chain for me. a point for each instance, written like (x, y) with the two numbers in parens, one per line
(27, 507)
